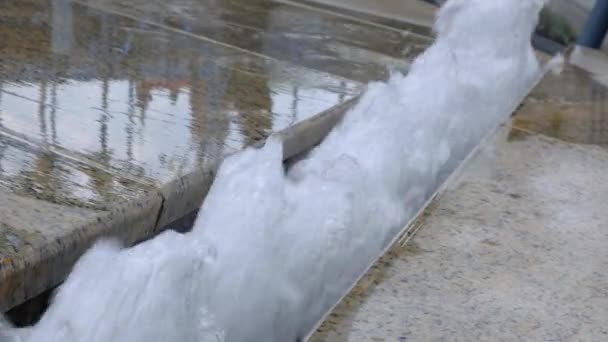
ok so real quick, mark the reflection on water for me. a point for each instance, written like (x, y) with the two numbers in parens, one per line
(139, 103)
(316, 39)
(26, 170)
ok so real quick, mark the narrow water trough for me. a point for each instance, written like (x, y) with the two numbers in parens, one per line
(299, 139)
(446, 178)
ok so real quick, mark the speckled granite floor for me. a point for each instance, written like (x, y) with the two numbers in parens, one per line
(514, 250)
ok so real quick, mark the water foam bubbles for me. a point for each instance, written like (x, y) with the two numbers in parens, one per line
(272, 251)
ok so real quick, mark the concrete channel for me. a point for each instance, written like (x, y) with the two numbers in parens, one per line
(513, 248)
(44, 250)
(101, 136)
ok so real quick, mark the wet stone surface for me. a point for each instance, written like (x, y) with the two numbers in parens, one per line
(571, 106)
(29, 171)
(316, 39)
(144, 101)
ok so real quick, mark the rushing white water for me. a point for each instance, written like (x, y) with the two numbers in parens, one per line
(271, 250)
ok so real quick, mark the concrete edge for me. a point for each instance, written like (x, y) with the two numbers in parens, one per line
(42, 267)
(185, 195)
(592, 61)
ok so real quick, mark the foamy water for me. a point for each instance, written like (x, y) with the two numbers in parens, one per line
(271, 251)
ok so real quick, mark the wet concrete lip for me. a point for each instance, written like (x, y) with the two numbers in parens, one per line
(570, 105)
(593, 61)
(125, 86)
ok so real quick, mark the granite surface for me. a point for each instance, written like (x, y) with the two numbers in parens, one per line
(514, 250)
(115, 114)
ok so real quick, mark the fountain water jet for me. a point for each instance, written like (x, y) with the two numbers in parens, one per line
(272, 251)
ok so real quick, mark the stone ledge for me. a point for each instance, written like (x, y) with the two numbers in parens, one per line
(185, 194)
(39, 262)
